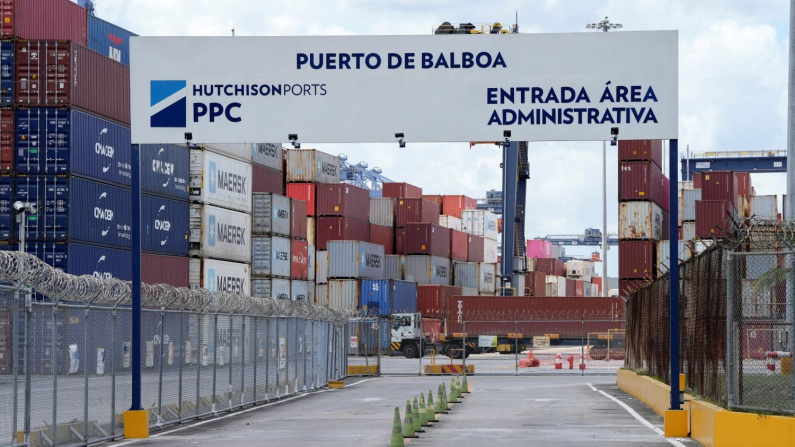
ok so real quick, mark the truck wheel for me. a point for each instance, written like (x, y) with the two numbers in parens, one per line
(410, 351)
(455, 350)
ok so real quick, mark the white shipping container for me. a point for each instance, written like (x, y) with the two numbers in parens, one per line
(270, 256)
(451, 222)
(685, 185)
(688, 231)
(276, 288)
(687, 210)
(517, 284)
(465, 274)
(663, 255)
(382, 211)
(343, 293)
(271, 214)
(764, 207)
(310, 230)
(700, 247)
(756, 303)
(310, 165)
(582, 270)
(311, 268)
(480, 223)
(487, 278)
(586, 290)
(220, 181)
(321, 294)
(490, 251)
(558, 251)
(466, 291)
(519, 264)
(219, 233)
(355, 259)
(267, 154)
(531, 264)
(639, 220)
(310, 286)
(219, 276)
(321, 266)
(551, 285)
(394, 266)
(425, 269)
(238, 151)
(594, 290)
(562, 286)
(299, 290)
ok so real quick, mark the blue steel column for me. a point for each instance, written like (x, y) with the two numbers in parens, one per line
(136, 278)
(673, 220)
(510, 164)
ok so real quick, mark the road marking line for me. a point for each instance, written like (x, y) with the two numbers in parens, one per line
(640, 418)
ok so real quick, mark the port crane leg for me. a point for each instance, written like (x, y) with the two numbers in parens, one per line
(513, 186)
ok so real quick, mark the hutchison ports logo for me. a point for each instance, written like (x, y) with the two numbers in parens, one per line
(168, 103)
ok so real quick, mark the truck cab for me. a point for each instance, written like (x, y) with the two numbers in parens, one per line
(407, 334)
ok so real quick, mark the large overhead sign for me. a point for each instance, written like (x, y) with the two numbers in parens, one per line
(366, 89)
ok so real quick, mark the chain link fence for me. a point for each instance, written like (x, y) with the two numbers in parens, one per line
(65, 353)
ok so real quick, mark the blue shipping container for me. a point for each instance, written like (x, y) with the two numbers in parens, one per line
(108, 39)
(68, 141)
(6, 74)
(165, 170)
(7, 221)
(384, 297)
(75, 209)
(165, 226)
(82, 259)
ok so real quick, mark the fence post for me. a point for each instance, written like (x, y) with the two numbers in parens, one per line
(256, 357)
(464, 346)
(231, 339)
(278, 361)
(268, 343)
(243, 360)
(85, 375)
(28, 364)
(181, 360)
(582, 345)
(15, 362)
(287, 357)
(215, 360)
(306, 346)
(112, 374)
(160, 373)
(378, 346)
(729, 329)
(54, 363)
(515, 345)
(199, 361)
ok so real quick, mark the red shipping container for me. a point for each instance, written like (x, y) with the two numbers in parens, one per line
(340, 229)
(718, 185)
(476, 252)
(743, 180)
(579, 288)
(432, 299)
(547, 266)
(305, 192)
(598, 281)
(627, 287)
(636, 259)
(453, 205)
(570, 287)
(162, 269)
(665, 194)
(666, 226)
(434, 198)
(427, 239)
(298, 223)
(383, 236)
(299, 259)
(400, 241)
(535, 284)
(44, 20)
(640, 180)
(341, 199)
(641, 150)
(416, 210)
(267, 180)
(398, 190)
(459, 245)
(44, 78)
(714, 218)
(7, 141)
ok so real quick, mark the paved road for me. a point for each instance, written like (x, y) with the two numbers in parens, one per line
(539, 411)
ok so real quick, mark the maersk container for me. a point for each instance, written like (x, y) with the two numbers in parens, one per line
(271, 214)
(299, 290)
(321, 294)
(321, 266)
(687, 210)
(487, 277)
(394, 266)
(76, 209)
(43, 19)
(355, 259)
(6, 73)
(664, 255)
(165, 170)
(382, 211)
(220, 181)
(450, 222)
(480, 223)
(219, 233)
(764, 207)
(343, 294)
(7, 221)
(310, 165)
(220, 276)
(108, 39)
(165, 225)
(276, 288)
(490, 250)
(383, 297)
(465, 274)
(238, 151)
(640, 220)
(425, 269)
(69, 141)
(270, 256)
(267, 154)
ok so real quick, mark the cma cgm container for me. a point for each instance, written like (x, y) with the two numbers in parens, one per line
(43, 19)
(276, 288)
(219, 233)
(268, 155)
(299, 226)
(480, 223)
(382, 211)
(641, 150)
(299, 260)
(455, 205)
(383, 236)
(394, 266)
(343, 294)
(714, 218)
(220, 181)
(270, 256)
(636, 259)
(384, 297)
(7, 73)
(57, 74)
(220, 276)
(312, 166)
(432, 300)
(8, 223)
(82, 259)
(424, 269)
(164, 225)
(271, 214)
(165, 170)
(640, 220)
(475, 249)
(355, 259)
(641, 180)
(305, 192)
(61, 141)
(427, 239)
(340, 229)
(266, 180)
(341, 199)
(76, 209)
(459, 245)
(108, 39)
(162, 269)
(416, 210)
(398, 190)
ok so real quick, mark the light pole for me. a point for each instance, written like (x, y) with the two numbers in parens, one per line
(604, 26)
(22, 209)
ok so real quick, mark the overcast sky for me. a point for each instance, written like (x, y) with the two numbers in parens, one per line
(732, 83)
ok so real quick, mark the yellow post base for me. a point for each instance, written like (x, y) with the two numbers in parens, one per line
(786, 367)
(136, 424)
(336, 384)
(676, 424)
(362, 370)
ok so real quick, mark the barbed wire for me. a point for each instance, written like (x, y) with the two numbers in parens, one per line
(28, 270)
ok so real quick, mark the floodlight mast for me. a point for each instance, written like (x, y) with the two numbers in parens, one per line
(604, 25)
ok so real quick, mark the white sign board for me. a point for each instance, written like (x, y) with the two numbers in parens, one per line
(365, 89)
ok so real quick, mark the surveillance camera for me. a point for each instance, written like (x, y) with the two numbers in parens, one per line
(614, 131)
(188, 136)
(506, 134)
(19, 206)
(399, 135)
(32, 209)
(292, 136)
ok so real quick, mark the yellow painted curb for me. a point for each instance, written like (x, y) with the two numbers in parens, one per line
(336, 384)
(136, 424)
(676, 424)
(362, 370)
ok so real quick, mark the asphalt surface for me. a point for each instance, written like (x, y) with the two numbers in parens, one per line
(538, 411)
